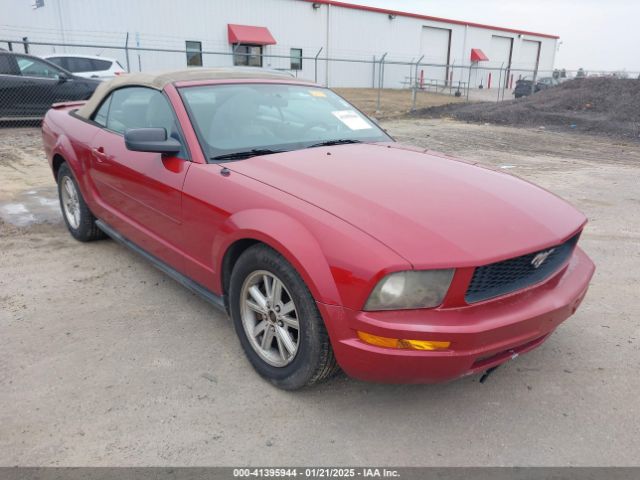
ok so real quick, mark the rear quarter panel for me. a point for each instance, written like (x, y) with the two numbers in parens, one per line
(68, 137)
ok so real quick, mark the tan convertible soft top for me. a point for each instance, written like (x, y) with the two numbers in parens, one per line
(159, 81)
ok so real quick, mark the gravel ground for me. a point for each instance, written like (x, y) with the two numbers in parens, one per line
(106, 361)
(598, 105)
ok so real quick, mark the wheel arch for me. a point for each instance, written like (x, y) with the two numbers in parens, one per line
(56, 163)
(63, 153)
(229, 259)
(285, 235)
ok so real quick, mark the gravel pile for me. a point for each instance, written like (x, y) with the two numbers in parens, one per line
(608, 106)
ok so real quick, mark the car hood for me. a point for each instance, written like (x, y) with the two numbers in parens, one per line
(431, 209)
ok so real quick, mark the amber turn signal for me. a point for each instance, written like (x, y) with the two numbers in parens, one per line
(400, 343)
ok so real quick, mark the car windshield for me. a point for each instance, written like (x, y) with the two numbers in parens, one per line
(253, 119)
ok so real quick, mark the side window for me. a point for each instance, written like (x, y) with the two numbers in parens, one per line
(130, 108)
(32, 67)
(100, 65)
(101, 115)
(141, 107)
(59, 61)
(8, 65)
(79, 64)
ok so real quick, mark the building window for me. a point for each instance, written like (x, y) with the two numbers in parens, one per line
(248, 55)
(194, 53)
(296, 58)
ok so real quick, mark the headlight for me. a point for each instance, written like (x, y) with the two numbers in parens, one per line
(410, 289)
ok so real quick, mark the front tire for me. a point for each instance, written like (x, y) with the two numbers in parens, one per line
(277, 321)
(76, 214)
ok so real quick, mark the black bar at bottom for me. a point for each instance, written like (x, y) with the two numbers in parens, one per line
(405, 473)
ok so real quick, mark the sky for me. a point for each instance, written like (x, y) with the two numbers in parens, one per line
(595, 34)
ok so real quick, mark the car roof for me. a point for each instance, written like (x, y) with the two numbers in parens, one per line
(21, 54)
(161, 80)
(71, 55)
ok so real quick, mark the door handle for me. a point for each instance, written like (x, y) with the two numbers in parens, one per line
(99, 154)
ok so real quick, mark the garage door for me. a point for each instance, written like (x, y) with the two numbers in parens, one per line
(528, 59)
(434, 45)
(500, 54)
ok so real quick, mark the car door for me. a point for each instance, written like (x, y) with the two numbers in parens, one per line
(140, 192)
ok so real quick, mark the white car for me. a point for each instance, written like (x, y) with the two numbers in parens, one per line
(87, 66)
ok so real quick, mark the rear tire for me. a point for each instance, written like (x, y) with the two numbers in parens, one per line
(282, 333)
(80, 222)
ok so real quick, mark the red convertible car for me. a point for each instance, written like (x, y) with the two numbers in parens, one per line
(329, 244)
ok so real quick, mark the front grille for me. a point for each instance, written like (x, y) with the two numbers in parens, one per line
(517, 273)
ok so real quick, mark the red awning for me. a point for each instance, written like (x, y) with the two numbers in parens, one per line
(250, 34)
(478, 55)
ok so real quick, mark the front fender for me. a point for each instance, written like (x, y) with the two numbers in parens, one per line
(290, 238)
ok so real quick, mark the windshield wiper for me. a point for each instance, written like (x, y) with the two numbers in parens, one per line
(328, 143)
(246, 154)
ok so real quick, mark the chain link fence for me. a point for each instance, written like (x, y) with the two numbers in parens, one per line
(379, 85)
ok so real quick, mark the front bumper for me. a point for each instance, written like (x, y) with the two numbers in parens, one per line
(482, 335)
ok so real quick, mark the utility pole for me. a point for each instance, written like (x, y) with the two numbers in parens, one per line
(326, 67)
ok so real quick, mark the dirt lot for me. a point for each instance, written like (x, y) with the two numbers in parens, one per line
(106, 361)
(393, 102)
(600, 105)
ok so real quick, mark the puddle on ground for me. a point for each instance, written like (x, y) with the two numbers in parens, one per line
(39, 205)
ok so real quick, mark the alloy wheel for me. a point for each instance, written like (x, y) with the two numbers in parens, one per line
(70, 202)
(270, 318)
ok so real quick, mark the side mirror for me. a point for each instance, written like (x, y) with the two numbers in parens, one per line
(62, 77)
(150, 140)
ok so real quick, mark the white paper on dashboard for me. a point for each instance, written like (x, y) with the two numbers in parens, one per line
(351, 119)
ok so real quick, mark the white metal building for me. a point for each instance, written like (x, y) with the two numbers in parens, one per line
(283, 31)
